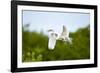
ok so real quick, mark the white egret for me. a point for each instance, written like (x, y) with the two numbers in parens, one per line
(65, 35)
(53, 37)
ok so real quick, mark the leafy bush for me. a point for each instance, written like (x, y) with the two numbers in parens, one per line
(35, 47)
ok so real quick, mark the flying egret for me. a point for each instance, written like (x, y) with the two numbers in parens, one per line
(65, 35)
(52, 39)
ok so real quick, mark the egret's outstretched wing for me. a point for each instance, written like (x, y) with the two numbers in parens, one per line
(51, 43)
(65, 31)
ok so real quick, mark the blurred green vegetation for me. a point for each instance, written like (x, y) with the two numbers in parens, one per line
(35, 46)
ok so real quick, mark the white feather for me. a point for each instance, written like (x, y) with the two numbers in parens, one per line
(65, 35)
(52, 43)
(52, 40)
(53, 37)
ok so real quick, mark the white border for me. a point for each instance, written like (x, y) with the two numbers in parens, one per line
(53, 63)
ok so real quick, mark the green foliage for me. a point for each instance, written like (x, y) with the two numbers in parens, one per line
(35, 47)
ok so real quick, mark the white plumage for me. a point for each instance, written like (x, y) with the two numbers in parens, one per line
(53, 37)
(52, 40)
(65, 35)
